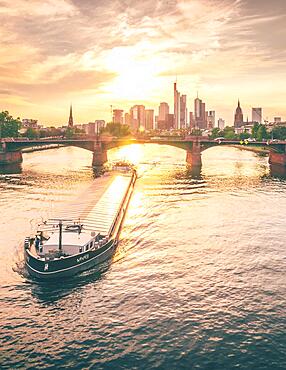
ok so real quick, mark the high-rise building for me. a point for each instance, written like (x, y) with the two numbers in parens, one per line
(257, 115)
(210, 119)
(117, 116)
(127, 119)
(134, 120)
(162, 116)
(149, 119)
(137, 117)
(183, 111)
(238, 116)
(221, 123)
(70, 123)
(200, 114)
(176, 107)
(163, 111)
(192, 120)
(169, 121)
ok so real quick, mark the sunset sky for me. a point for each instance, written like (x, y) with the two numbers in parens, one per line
(97, 53)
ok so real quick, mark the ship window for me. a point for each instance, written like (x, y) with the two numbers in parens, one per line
(87, 247)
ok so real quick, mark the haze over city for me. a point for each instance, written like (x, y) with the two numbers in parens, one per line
(101, 53)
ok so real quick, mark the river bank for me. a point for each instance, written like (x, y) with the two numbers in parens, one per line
(261, 151)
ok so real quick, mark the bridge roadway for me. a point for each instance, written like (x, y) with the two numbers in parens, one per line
(10, 149)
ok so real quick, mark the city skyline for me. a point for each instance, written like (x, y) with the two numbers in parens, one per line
(103, 53)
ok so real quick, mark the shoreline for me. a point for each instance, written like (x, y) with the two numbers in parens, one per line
(262, 151)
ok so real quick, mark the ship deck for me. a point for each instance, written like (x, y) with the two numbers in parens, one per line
(97, 207)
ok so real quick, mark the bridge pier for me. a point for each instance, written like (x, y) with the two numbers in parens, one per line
(99, 155)
(10, 157)
(194, 157)
(277, 158)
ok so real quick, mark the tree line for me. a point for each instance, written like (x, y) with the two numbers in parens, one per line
(258, 132)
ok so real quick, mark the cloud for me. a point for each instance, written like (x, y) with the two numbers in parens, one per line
(125, 50)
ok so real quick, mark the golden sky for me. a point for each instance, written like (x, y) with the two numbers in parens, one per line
(97, 53)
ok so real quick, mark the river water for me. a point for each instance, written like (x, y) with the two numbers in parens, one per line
(198, 280)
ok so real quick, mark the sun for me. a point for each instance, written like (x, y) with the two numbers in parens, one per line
(137, 77)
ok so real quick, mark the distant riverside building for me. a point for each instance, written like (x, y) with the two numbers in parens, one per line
(100, 123)
(117, 116)
(29, 123)
(149, 119)
(169, 121)
(221, 123)
(200, 114)
(277, 120)
(176, 107)
(163, 111)
(127, 119)
(163, 116)
(137, 117)
(70, 123)
(183, 111)
(238, 116)
(93, 128)
(210, 119)
(257, 115)
(134, 121)
(191, 120)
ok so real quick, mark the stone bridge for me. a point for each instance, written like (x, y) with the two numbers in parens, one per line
(11, 150)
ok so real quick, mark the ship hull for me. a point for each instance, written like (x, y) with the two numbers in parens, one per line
(68, 266)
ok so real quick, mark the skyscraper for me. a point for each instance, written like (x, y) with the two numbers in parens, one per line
(257, 115)
(149, 119)
(221, 123)
(211, 119)
(200, 114)
(163, 111)
(127, 119)
(176, 107)
(70, 123)
(192, 120)
(238, 116)
(162, 116)
(117, 116)
(137, 117)
(183, 111)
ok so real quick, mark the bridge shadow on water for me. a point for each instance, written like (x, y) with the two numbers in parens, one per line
(194, 172)
(278, 171)
(10, 169)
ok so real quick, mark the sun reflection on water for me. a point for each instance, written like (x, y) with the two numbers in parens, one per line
(132, 153)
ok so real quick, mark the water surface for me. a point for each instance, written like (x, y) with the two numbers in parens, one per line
(198, 281)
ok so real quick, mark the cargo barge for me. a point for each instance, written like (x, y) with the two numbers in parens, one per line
(86, 233)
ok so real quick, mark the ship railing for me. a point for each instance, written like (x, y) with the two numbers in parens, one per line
(121, 208)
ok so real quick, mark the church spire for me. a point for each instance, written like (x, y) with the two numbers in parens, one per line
(70, 124)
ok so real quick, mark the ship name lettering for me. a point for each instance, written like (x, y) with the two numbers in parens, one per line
(82, 258)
